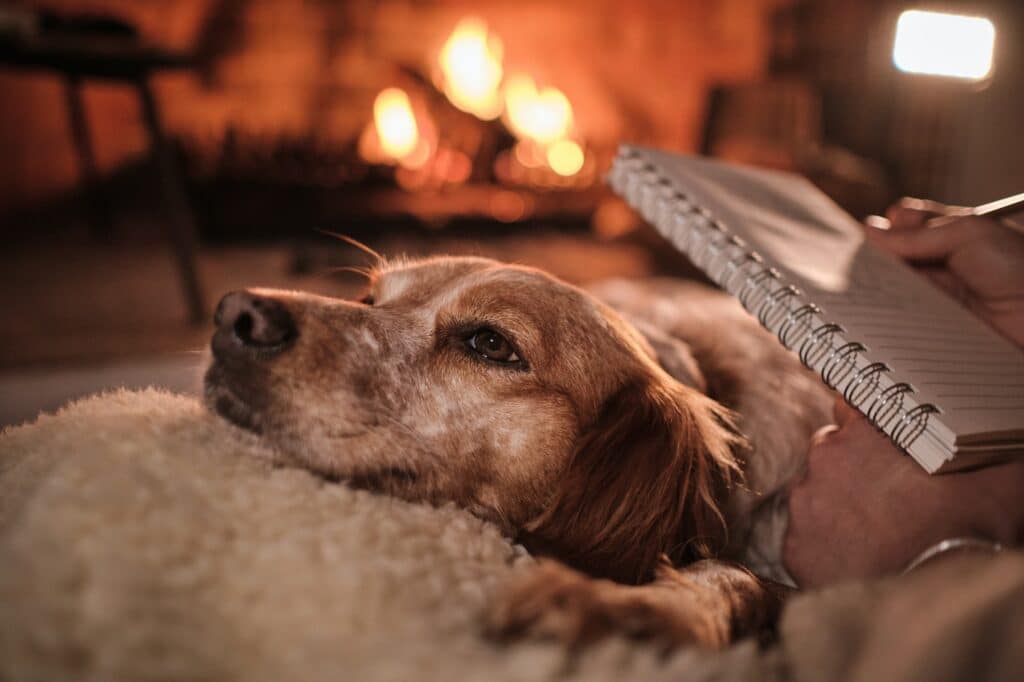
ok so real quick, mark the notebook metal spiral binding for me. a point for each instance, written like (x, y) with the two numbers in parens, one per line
(737, 264)
(887, 405)
(793, 320)
(752, 286)
(729, 246)
(865, 382)
(762, 291)
(818, 343)
(775, 301)
(917, 421)
(840, 362)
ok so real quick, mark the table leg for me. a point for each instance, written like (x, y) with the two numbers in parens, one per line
(99, 215)
(181, 231)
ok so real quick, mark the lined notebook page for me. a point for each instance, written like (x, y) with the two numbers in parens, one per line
(930, 341)
(951, 359)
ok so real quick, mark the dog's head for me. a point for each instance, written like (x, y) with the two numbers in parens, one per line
(500, 388)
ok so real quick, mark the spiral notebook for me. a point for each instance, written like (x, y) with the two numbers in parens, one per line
(941, 384)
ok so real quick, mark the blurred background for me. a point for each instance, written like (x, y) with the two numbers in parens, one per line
(155, 154)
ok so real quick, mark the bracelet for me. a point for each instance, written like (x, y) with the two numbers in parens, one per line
(952, 545)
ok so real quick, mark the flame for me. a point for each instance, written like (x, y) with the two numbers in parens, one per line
(395, 123)
(565, 157)
(399, 132)
(544, 116)
(471, 75)
(543, 122)
(471, 63)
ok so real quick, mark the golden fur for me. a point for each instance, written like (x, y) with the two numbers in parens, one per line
(613, 447)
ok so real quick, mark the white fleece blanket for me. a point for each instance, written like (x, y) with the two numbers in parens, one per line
(143, 539)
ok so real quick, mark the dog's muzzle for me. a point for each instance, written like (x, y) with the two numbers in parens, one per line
(251, 326)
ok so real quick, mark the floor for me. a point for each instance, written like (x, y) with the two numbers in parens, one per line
(24, 393)
(80, 317)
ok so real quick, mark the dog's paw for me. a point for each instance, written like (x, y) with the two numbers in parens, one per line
(554, 602)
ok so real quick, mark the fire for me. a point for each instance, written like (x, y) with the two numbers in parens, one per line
(544, 116)
(472, 76)
(395, 123)
(543, 121)
(471, 63)
(565, 157)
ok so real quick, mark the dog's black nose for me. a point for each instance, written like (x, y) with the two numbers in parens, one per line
(254, 321)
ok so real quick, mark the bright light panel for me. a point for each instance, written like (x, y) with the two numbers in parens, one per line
(944, 44)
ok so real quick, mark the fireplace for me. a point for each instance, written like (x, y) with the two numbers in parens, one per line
(447, 126)
(431, 115)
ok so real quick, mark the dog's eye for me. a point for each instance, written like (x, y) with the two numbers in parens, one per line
(492, 346)
(367, 300)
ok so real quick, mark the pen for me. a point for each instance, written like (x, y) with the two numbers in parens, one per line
(994, 209)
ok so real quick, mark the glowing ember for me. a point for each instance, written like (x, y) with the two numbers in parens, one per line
(565, 157)
(395, 123)
(471, 64)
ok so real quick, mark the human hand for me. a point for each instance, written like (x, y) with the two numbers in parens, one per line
(864, 509)
(975, 259)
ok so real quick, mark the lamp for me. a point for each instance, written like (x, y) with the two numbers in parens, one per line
(943, 44)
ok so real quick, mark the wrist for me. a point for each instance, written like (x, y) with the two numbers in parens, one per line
(950, 546)
(998, 499)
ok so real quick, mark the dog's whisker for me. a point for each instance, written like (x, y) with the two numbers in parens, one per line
(354, 242)
(359, 270)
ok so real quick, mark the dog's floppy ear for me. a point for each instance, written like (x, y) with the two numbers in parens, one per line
(645, 480)
(673, 355)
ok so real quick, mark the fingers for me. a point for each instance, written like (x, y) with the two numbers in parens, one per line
(843, 413)
(933, 243)
(822, 435)
(910, 213)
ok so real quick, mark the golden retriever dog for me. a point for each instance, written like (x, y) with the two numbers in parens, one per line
(636, 435)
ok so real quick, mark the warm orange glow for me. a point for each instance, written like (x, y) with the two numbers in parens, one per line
(528, 155)
(452, 166)
(472, 77)
(419, 156)
(565, 157)
(472, 70)
(507, 207)
(540, 115)
(395, 123)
